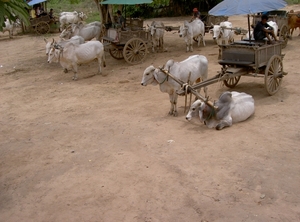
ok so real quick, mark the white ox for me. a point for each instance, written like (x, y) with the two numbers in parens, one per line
(197, 65)
(270, 23)
(86, 31)
(72, 55)
(231, 107)
(9, 27)
(157, 31)
(75, 39)
(67, 18)
(192, 30)
(222, 33)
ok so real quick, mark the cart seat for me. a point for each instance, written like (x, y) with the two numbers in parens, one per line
(250, 43)
(233, 62)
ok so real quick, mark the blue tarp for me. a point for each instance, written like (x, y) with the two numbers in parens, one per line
(33, 2)
(125, 2)
(244, 7)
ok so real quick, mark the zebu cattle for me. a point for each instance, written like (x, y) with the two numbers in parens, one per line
(231, 107)
(72, 55)
(71, 18)
(190, 31)
(293, 21)
(157, 31)
(197, 65)
(75, 39)
(9, 27)
(68, 13)
(222, 33)
(86, 31)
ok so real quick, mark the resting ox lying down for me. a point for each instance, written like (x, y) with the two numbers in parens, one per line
(231, 107)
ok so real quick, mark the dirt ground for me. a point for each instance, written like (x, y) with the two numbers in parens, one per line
(103, 148)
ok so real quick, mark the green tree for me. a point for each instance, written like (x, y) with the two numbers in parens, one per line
(13, 9)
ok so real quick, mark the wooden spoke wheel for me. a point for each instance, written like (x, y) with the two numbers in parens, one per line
(42, 28)
(116, 52)
(284, 35)
(273, 74)
(135, 51)
(232, 82)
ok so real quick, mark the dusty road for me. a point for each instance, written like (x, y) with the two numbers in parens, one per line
(104, 149)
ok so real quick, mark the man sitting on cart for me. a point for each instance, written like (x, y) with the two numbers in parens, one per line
(263, 30)
(121, 20)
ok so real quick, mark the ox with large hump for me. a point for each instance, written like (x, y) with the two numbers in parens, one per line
(86, 31)
(67, 18)
(157, 31)
(75, 39)
(192, 30)
(231, 107)
(72, 55)
(222, 34)
(190, 70)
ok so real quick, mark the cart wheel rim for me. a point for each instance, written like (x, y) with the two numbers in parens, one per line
(116, 52)
(273, 74)
(135, 51)
(232, 82)
(284, 35)
(42, 28)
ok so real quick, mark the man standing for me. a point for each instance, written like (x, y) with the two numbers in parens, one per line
(263, 30)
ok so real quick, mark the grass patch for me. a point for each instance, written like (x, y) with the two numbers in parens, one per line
(88, 7)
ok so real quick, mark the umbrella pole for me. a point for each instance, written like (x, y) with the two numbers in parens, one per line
(249, 27)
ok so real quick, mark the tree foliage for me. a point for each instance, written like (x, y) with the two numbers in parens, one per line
(13, 9)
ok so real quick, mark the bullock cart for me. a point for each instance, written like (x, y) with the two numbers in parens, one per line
(43, 24)
(281, 19)
(130, 44)
(243, 58)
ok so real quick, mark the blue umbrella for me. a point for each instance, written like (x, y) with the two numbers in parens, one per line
(242, 7)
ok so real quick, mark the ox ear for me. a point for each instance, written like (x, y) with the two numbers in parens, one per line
(212, 24)
(45, 40)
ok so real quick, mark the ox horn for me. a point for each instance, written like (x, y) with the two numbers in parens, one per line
(45, 40)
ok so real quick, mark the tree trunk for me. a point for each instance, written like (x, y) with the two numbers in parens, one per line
(99, 7)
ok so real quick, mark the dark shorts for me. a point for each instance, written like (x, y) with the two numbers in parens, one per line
(260, 35)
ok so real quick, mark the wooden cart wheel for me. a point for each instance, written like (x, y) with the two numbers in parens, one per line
(273, 74)
(116, 52)
(232, 82)
(42, 28)
(284, 35)
(135, 51)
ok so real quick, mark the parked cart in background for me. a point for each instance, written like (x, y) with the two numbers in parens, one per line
(43, 24)
(129, 44)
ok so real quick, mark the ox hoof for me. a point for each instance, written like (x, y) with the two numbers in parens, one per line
(65, 71)
(220, 126)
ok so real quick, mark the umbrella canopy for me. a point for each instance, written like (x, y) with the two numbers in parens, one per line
(125, 2)
(242, 7)
(33, 2)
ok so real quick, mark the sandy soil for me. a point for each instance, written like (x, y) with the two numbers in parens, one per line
(104, 149)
